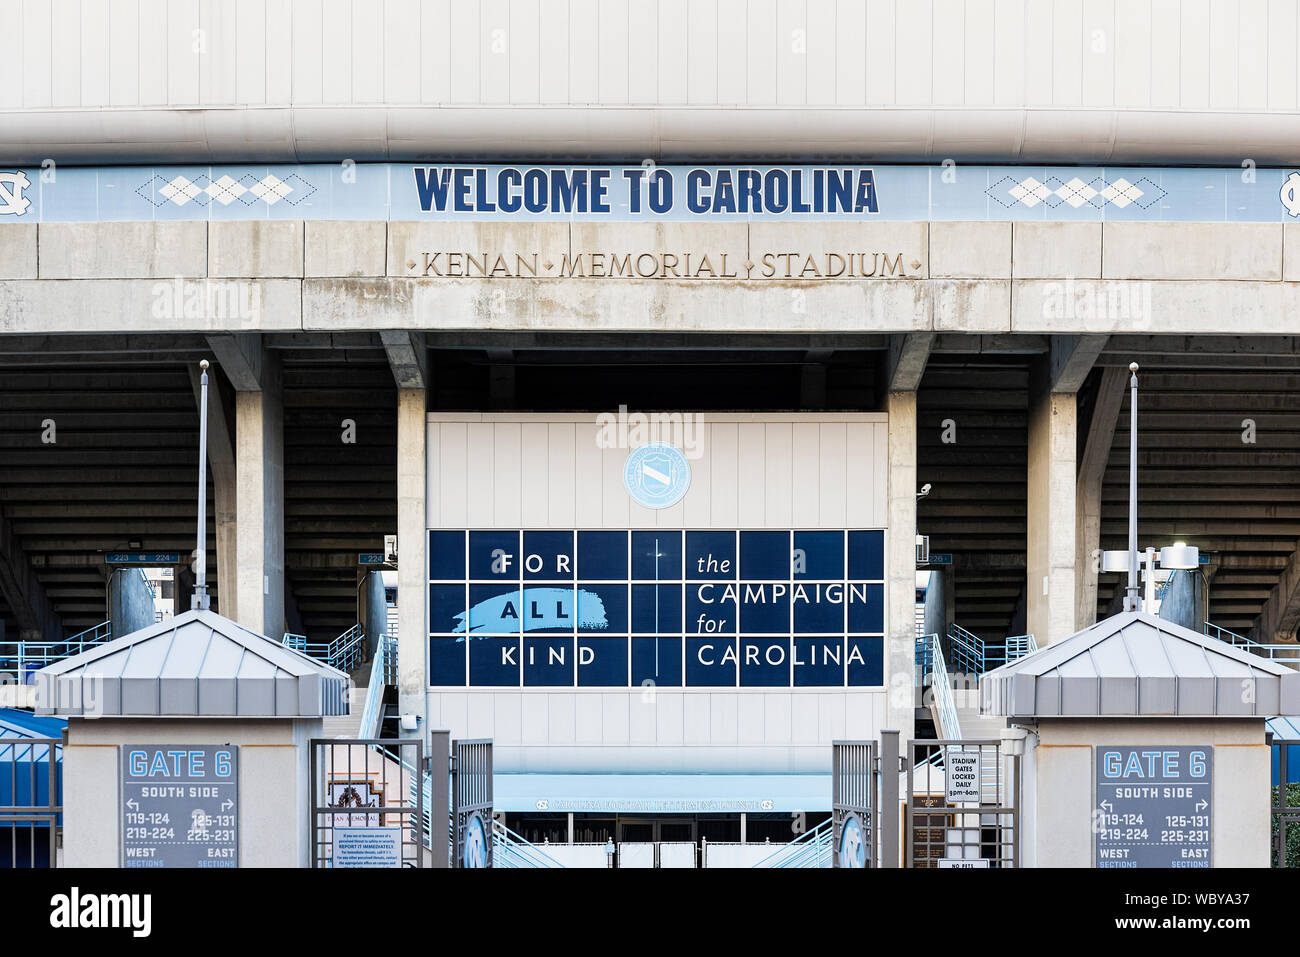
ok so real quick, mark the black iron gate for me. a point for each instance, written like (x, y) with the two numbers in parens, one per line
(471, 810)
(367, 802)
(30, 802)
(853, 811)
(962, 804)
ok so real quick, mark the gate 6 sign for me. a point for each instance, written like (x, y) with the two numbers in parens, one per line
(180, 805)
(1153, 806)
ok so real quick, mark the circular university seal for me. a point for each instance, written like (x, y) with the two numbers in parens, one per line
(853, 852)
(657, 475)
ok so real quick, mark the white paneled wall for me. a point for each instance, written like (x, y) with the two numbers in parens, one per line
(1146, 54)
(513, 470)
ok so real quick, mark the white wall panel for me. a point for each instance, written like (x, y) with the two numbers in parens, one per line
(807, 470)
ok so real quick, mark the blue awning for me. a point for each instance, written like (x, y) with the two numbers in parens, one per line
(661, 793)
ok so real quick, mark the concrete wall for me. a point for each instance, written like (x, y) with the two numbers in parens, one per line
(1064, 789)
(1182, 600)
(757, 471)
(1053, 278)
(336, 78)
(273, 784)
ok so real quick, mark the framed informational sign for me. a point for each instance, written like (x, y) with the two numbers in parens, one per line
(744, 608)
(367, 847)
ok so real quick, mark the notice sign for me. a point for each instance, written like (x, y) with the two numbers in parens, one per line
(962, 777)
(180, 805)
(1153, 806)
(367, 847)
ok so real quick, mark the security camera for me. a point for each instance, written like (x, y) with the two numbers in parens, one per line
(925, 490)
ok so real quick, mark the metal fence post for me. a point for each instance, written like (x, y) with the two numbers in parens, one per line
(440, 791)
(889, 769)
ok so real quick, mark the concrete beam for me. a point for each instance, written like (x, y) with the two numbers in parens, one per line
(1092, 469)
(1072, 358)
(1280, 616)
(908, 355)
(23, 592)
(240, 357)
(408, 357)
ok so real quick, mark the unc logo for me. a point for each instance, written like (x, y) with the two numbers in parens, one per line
(12, 200)
(657, 475)
(475, 853)
(1290, 194)
(853, 852)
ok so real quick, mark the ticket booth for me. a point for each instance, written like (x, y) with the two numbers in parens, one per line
(1143, 746)
(188, 746)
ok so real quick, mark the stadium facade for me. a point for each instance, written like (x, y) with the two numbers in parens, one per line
(643, 326)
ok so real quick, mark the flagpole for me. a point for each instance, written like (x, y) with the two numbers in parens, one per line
(1131, 600)
(200, 600)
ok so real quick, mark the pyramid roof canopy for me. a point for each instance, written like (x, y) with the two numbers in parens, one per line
(1137, 665)
(197, 664)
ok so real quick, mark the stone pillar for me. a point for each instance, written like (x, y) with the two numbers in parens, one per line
(1050, 600)
(900, 565)
(412, 541)
(259, 506)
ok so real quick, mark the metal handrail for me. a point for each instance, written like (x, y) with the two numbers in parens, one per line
(513, 850)
(343, 653)
(941, 688)
(967, 650)
(811, 849)
(1283, 652)
(28, 657)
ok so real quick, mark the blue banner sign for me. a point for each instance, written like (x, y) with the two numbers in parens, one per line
(649, 193)
(143, 558)
(629, 608)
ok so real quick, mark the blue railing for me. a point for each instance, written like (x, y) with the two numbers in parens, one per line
(344, 652)
(936, 669)
(511, 850)
(812, 849)
(1283, 652)
(25, 658)
(972, 655)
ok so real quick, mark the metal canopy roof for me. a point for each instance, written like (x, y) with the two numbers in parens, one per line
(1136, 665)
(197, 664)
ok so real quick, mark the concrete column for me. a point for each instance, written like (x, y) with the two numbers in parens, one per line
(259, 506)
(1050, 600)
(372, 612)
(130, 602)
(412, 541)
(900, 565)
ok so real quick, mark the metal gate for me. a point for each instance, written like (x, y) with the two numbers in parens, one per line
(963, 805)
(853, 811)
(366, 804)
(1285, 803)
(30, 808)
(471, 807)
